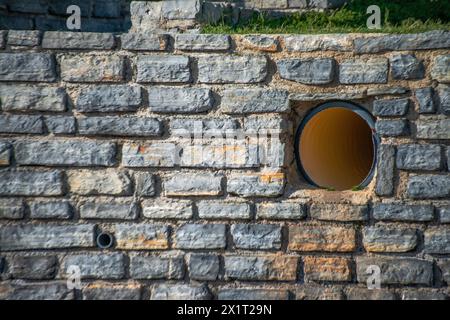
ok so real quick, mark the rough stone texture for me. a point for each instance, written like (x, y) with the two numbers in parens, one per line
(183, 185)
(167, 209)
(50, 210)
(145, 184)
(144, 42)
(21, 124)
(204, 267)
(232, 69)
(385, 170)
(327, 269)
(252, 294)
(444, 214)
(390, 108)
(315, 292)
(356, 293)
(402, 212)
(423, 294)
(179, 100)
(65, 153)
(96, 265)
(120, 126)
(406, 67)
(441, 69)
(429, 186)
(223, 210)
(157, 267)
(396, 270)
(5, 154)
(77, 40)
(281, 210)
(35, 291)
(12, 209)
(425, 100)
(260, 268)
(24, 38)
(141, 236)
(387, 239)
(260, 43)
(256, 236)
(29, 183)
(87, 182)
(309, 43)
(444, 266)
(433, 129)
(437, 240)
(112, 291)
(339, 212)
(180, 292)
(309, 71)
(256, 185)
(321, 238)
(60, 125)
(374, 70)
(202, 42)
(239, 101)
(185, 128)
(32, 98)
(149, 155)
(109, 210)
(27, 67)
(419, 157)
(444, 98)
(48, 236)
(392, 128)
(109, 98)
(92, 68)
(33, 267)
(163, 69)
(200, 236)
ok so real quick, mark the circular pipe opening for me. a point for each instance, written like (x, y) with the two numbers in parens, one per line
(335, 146)
(105, 240)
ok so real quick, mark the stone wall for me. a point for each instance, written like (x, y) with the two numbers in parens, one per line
(98, 134)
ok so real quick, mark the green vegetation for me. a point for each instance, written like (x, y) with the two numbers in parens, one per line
(398, 16)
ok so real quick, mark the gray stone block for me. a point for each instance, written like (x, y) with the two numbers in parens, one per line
(12, 209)
(99, 182)
(109, 98)
(281, 210)
(392, 128)
(120, 126)
(204, 267)
(33, 267)
(167, 209)
(419, 157)
(157, 154)
(144, 42)
(117, 210)
(50, 210)
(192, 184)
(223, 210)
(440, 70)
(22, 38)
(385, 170)
(180, 291)
(27, 67)
(437, 240)
(403, 212)
(95, 265)
(310, 43)
(390, 107)
(242, 101)
(35, 291)
(92, 68)
(163, 69)
(165, 266)
(364, 71)
(256, 236)
(424, 97)
(389, 239)
(428, 186)
(200, 236)
(307, 71)
(29, 183)
(180, 100)
(21, 124)
(433, 129)
(78, 40)
(202, 42)
(60, 124)
(406, 67)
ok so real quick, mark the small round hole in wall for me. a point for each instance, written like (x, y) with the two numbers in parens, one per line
(335, 146)
(105, 240)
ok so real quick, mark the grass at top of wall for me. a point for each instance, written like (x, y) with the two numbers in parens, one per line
(397, 16)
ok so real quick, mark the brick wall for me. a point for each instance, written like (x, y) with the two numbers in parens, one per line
(98, 134)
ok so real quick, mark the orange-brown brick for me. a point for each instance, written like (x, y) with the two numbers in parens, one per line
(322, 238)
(327, 268)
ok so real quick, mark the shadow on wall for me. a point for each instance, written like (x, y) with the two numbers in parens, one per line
(96, 15)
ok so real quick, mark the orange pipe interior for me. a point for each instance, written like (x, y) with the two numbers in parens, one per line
(336, 149)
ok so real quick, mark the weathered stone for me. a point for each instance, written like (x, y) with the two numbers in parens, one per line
(307, 71)
(48, 236)
(389, 108)
(389, 239)
(256, 236)
(406, 67)
(92, 68)
(77, 40)
(21, 124)
(281, 210)
(373, 70)
(65, 153)
(424, 97)
(163, 69)
(433, 129)
(385, 170)
(5, 154)
(322, 238)
(423, 294)
(241, 101)
(327, 269)
(141, 236)
(145, 184)
(145, 42)
(158, 154)
(180, 292)
(180, 100)
(260, 43)
(441, 69)
(167, 266)
(402, 212)
(324, 96)
(190, 184)
(60, 124)
(120, 126)
(200, 236)
(315, 292)
(28, 183)
(109, 210)
(35, 291)
(444, 98)
(223, 210)
(28, 38)
(27, 67)
(396, 270)
(444, 266)
(32, 98)
(419, 157)
(437, 240)
(261, 267)
(309, 43)
(107, 182)
(339, 212)
(203, 267)
(33, 267)
(96, 265)
(50, 210)
(202, 42)
(3, 34)
(356, 293)
(256, 184)
(167, 209)
(396, 42)
(253, 294)
(109, 98)
(392, 128)
(444, 214)
(186, 128)
(12, 209)
(112, 291)
(232, 69)
(273, 125)
(387, 91)
(429, 186)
